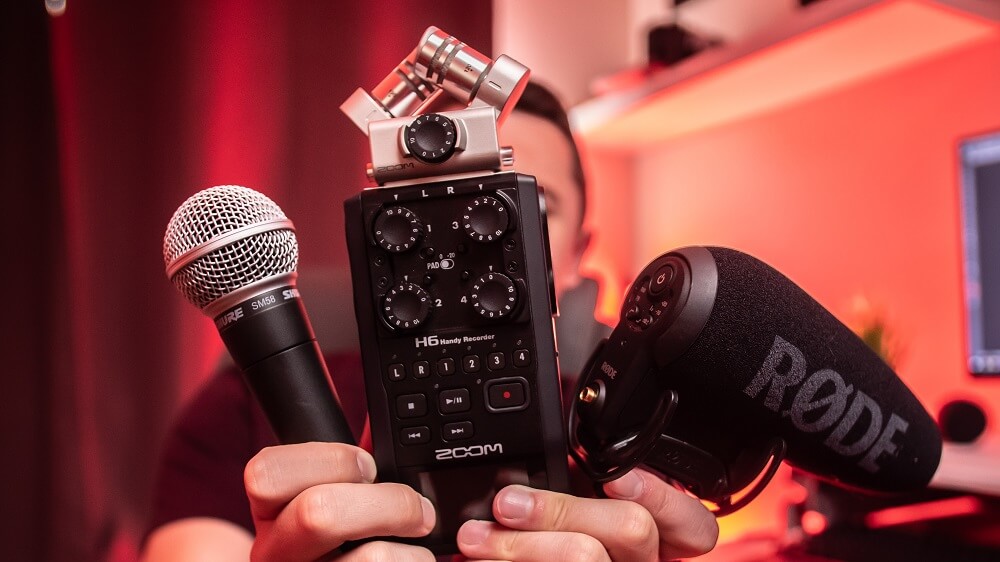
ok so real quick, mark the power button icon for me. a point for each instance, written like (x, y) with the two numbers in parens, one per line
(661, 279)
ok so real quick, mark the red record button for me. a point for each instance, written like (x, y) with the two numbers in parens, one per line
(506, 395)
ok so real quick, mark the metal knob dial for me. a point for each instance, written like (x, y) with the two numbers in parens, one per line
(493, 295)
(485, 219)
(406, 305)
(430, 138)
(397, 229)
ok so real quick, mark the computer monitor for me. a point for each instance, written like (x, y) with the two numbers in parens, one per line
(980, 180)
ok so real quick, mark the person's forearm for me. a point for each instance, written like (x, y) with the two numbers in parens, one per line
(201, 539)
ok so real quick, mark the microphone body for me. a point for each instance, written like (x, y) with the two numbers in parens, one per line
(750, 364)
(273, 344)
(233, 253)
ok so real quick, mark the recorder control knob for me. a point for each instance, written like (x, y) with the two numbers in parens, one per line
(430, 138)
(494, 295)
(406, 305)
(485, 219)
(397, 229)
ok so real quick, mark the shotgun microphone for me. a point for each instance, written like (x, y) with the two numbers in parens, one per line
(232, 252)
(721, 366)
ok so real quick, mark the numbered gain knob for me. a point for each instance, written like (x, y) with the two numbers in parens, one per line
(494, 295)
(485, 219)
(397, 229)
(406, 305)
(430, 138)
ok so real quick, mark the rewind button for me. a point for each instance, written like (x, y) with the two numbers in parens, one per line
(415, 435)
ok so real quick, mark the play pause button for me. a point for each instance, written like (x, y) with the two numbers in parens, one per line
(454, 400)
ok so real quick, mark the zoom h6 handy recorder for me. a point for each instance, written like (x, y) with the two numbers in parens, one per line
(453, 289)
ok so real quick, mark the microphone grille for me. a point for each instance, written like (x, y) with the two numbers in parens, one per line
(213, 213)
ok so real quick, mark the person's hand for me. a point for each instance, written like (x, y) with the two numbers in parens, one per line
(645, 519)
(308, 499)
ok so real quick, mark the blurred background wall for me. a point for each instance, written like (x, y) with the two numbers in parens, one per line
(113, 114)
(822, 137)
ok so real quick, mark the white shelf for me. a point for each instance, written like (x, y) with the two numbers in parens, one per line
(826, 46)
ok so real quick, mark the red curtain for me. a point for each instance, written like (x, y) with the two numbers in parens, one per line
(114, 113)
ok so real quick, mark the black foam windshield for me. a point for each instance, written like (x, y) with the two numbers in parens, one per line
(770, 355)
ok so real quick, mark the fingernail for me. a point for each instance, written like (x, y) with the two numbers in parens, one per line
(473, 532)
(515, 502)
(628, 487)
(428, 511)
(367, 466)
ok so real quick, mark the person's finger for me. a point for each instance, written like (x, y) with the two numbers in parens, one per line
(323, 517)
(686, 527)
(383, 551)
(626, 529)
(487, 540)
(275, 475)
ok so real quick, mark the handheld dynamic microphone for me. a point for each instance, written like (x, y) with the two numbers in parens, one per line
(232, 253)
(737, 366)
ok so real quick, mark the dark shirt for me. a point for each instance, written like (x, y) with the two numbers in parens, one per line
(201, 471)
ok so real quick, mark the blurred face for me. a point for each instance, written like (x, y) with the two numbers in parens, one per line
(541, 150)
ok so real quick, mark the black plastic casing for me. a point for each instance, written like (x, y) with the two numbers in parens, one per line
(500, 443)
(271, 340)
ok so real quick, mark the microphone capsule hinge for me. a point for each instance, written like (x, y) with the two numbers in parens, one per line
(506, 156)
